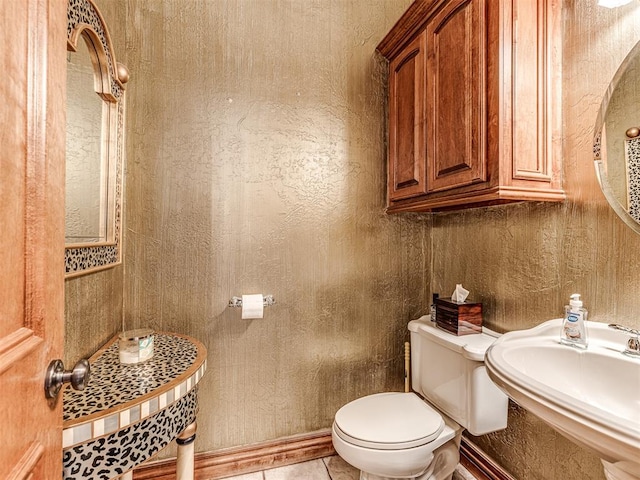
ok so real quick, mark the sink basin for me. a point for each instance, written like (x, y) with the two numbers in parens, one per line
(590, 396)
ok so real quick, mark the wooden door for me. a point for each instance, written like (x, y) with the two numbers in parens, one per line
(32, 137)
(456, 66)
(407, 173)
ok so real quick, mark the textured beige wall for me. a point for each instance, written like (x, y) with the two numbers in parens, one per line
(523, 261)
(93, 312)
(256, 165)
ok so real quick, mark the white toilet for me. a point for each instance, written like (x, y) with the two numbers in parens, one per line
(406, 436)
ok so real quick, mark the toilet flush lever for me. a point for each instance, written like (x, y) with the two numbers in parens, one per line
(633, 344)
(57, 376)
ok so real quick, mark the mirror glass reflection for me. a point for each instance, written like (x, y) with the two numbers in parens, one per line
(618, 143)
(86, 164)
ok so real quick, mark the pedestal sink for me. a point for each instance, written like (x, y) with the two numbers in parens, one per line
(590, 396)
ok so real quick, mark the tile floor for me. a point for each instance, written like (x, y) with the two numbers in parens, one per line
(329, 468)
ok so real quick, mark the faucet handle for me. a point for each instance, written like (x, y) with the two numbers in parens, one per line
(633, 344)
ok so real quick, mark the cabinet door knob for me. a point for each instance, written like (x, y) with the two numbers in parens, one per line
(57, 376)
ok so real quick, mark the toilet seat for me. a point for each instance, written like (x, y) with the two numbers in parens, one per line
(388, 421)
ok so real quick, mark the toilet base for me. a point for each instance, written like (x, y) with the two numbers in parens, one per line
(445, 460)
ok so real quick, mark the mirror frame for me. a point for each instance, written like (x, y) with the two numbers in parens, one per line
(84, 20)
(601, 169)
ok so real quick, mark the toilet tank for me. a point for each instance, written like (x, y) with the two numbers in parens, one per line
(449, 372)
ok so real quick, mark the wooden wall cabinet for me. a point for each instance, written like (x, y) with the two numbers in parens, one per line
(474, 104)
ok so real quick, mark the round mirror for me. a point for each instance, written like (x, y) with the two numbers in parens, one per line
(617, 141)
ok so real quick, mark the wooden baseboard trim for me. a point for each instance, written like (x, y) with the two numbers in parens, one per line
(479, 464)
(246, 459)
(287, 451)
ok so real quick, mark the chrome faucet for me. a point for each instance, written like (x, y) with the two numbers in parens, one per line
(633, 344)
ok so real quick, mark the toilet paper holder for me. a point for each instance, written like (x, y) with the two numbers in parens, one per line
(267, 302)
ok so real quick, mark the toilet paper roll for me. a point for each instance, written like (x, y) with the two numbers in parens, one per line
(252, 306)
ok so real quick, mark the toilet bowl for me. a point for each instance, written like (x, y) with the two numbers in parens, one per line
(404, 441)
(397, 435)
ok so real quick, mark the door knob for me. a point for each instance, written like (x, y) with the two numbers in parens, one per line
(56, 376)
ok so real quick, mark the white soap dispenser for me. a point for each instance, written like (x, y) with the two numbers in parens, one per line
(574, 328)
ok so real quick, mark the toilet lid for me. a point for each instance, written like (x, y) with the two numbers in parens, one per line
(388, 421)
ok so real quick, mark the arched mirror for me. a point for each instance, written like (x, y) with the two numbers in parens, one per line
(617, 141)
(95, 143)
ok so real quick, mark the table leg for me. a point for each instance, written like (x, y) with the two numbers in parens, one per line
(186, 449)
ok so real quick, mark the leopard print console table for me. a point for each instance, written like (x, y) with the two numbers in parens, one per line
(127, 413)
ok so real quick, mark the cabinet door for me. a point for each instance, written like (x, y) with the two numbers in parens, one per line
(533, 88)
(407, 176)
(455, 69)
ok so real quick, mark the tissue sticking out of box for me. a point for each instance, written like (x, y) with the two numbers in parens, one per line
(456, 315)
(459, 294)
